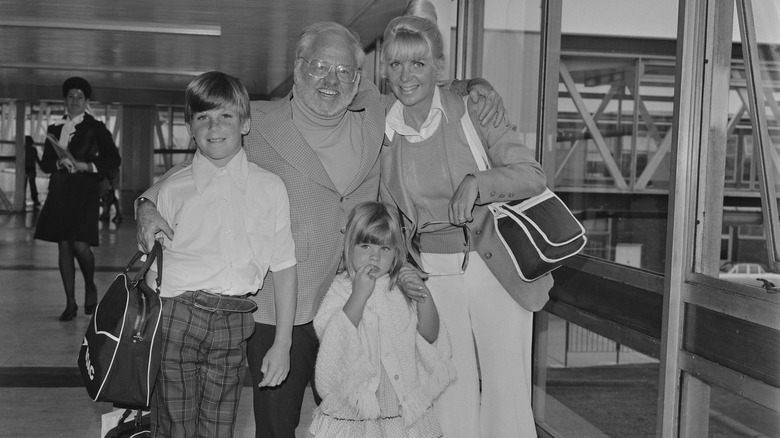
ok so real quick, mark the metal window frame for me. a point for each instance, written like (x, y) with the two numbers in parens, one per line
(757, 102)
(695, 201)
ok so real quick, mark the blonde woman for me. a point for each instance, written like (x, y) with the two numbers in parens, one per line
(431, 176)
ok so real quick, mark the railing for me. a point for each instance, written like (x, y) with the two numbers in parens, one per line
(581, 340)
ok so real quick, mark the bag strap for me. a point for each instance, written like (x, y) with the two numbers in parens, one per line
(477, 149)
(154, 254)
(409, 258)
(475, 144)
(138, 254)
(138, 418)
(125, 415)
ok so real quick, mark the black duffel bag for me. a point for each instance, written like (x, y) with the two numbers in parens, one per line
(138, 427)
(120, 354)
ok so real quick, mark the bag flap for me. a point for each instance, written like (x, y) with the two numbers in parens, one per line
(545, 215)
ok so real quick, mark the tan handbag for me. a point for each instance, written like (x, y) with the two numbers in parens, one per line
(539, 232)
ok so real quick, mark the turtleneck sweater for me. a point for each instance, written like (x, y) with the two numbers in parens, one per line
(336, 141)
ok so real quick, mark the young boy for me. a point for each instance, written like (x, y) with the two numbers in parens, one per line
(231, 224)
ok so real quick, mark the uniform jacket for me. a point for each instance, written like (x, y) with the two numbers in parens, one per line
(72, 205)
(515, 175)
(91, 142)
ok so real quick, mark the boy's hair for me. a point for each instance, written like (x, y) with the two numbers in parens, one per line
(214, 89)
(372, 222)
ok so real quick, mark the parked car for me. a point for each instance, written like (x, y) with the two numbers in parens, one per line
(749, 273)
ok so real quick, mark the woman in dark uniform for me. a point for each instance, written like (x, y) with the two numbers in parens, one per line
(77, 150)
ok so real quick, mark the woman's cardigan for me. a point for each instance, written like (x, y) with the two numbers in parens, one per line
(514, 175)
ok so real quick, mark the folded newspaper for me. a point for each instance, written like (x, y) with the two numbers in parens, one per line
(61, 151)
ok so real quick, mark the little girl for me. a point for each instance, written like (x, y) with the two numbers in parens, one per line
(383, 359)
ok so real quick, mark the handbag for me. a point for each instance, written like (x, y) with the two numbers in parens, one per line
(120, 355)
(539, 232)
(138, 427)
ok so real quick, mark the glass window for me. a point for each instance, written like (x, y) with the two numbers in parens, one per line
(510, 56)
(611, 160)
(745, 162)
(172, 143)
(597, 387)
(612, 149)
(737, 417)
(731, 159)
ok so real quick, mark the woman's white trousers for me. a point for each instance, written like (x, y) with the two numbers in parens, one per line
(491, 338)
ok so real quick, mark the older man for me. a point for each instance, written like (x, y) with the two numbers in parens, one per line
(323, 140)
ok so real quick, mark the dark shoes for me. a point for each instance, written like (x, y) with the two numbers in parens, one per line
(117, 218)
(69, 313)
(90, 303)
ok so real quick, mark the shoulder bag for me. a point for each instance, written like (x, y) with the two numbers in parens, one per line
(539, 232)
(120, 355)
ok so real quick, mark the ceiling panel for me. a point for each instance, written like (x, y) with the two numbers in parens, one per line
(146, 51)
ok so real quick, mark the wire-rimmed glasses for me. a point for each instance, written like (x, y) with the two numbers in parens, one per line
(466, 250)
(319, 69)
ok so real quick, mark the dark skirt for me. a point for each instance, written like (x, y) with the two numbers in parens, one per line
(71, 209)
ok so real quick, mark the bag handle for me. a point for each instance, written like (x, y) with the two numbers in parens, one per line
(155, 253)
(475, 144)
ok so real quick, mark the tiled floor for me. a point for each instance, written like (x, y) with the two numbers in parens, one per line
(41, 393)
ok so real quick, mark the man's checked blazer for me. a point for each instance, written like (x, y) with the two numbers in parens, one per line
(318, 212)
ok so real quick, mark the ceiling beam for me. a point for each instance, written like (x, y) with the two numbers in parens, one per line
(118, 26)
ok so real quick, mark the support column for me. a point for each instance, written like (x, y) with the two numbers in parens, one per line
(21, 177)
(137, 148)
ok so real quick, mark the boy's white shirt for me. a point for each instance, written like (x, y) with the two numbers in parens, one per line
(231, 225)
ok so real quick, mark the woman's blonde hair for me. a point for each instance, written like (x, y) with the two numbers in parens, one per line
(421, 8)
(413, 36)
(374, 223)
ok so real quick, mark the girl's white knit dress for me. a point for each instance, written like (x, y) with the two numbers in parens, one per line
(378, 379)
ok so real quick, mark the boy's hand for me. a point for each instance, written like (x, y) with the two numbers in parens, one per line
(410, 280)
(149, 223)
(275, 367)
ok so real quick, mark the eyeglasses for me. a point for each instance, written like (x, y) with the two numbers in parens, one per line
(319, 69)
(466, 250)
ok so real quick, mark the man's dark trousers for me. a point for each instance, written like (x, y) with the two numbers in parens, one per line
(278, 409)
